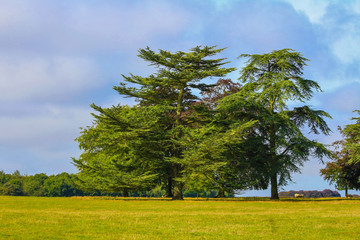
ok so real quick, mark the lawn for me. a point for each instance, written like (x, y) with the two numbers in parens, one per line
(109, 218)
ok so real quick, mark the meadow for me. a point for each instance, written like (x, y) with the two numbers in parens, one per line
(116, 218)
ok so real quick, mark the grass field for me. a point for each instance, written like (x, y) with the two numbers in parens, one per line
(101, 218)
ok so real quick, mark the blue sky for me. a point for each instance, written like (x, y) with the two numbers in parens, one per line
(57, 57)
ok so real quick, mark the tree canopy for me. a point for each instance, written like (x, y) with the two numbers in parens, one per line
(149, 134)
(270, 82)
(185, 133)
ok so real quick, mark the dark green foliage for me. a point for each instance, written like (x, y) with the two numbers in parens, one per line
(270, 81)
(134, 149)
(205, 194)
(214, 158)
(235, 137)
(344, 169)
(12, 184)
(120, 151)
(4, 177)
(343, 173)
(352, 141)
(34, 185)
(61, 185)
(12, 187)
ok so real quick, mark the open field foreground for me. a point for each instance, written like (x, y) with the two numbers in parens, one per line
(101, 218)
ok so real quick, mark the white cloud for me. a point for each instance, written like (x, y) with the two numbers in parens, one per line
(56, 48)
(42, 142)
(55, 127)
(356, 6)
(83, 27)
(314, 10)
(346, 46)
(59, 50)
(337, 28)
(32, 161)
(40, 77)
(223, 4)
(346, 99)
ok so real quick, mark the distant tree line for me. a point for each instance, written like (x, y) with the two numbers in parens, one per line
(16, 184)
(64, 185)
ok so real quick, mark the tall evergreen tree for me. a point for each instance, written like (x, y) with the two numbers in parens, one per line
(168, 97)
(270, 82)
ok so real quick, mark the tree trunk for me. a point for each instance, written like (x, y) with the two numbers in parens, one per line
(346, 192)
(274, 187)
(125, 193)
(178, 106)
(178, 191)
(221, 193)
(177, 195)
(178, 186)
(169, 188)
(274, 166)
(272, 144)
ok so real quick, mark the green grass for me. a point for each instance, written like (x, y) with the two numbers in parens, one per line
(109, 218)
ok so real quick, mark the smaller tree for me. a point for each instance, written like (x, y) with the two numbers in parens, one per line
(342, 171)
(352, 140)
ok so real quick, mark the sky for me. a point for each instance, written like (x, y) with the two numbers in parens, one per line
(58, 57)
